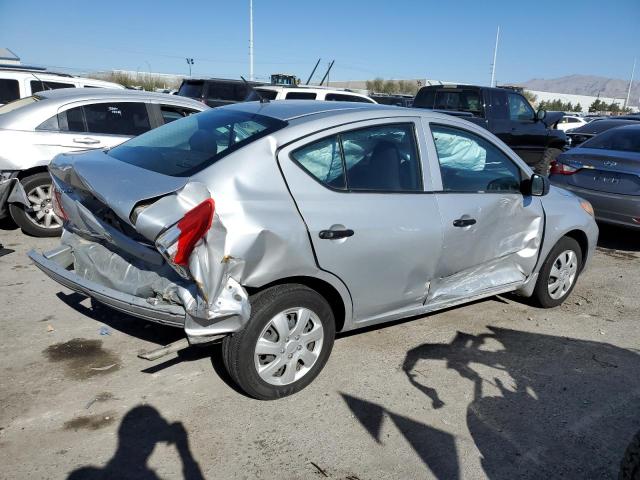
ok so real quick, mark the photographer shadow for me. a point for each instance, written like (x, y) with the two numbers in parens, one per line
(140, 430)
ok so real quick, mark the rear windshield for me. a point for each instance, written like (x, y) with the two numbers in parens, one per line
(459, 99)
(186, 146)
(266, 94)
(621, 139)
(191, 89)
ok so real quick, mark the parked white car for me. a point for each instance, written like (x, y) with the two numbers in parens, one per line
(35, 129)
(570, 121)
(282, 92)
(18, 83)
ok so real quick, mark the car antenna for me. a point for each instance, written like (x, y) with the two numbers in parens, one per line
(262, 99)
(42, 84)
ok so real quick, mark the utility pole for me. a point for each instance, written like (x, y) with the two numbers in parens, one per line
(633, 70)
(495, 55)
(250, 39)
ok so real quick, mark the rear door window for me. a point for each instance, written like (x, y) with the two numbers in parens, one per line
(221, 91)
(117, 118)
(376, 159)
(458, 99)
(300, 96)
(9, 90)
(40, 86)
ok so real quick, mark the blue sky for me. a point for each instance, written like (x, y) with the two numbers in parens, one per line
(448, 40)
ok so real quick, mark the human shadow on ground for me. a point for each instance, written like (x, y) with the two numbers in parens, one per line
(140, 430)
(568, 410)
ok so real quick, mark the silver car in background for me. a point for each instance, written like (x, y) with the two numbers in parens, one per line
(35, 129)
(275, 225)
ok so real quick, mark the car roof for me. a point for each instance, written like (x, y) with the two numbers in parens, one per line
(98, 93)
(293, 109)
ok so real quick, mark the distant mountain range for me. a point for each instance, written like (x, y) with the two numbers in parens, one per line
(587, 85)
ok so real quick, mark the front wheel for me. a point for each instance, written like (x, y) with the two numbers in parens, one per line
(284, 346)
(558, 274)
(38, 218)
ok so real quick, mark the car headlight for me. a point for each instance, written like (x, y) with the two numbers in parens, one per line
(587, 207)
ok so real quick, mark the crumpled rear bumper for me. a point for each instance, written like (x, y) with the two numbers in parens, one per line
(56, 265)
(143, 290)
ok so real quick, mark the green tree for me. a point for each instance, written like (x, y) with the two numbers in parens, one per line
(596, 106)
(578, 107)
(614, 107)
(376, 85)
(390, 87)
(531, 97)
(569, 107)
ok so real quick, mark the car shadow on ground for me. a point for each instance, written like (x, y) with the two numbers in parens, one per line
(617, 238)
(140, 430)
(543, 406)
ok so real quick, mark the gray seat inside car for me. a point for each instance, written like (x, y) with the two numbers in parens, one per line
(383, 171)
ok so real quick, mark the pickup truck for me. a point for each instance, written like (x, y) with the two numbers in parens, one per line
(504, 112)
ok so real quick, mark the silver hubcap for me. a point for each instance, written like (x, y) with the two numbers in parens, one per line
(40, 210)
(289, 346)
(563, 273)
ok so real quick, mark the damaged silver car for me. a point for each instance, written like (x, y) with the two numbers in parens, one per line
(275, 225)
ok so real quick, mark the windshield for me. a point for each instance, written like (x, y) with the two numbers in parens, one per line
(186, 146)
(621, 139)
(11, 106)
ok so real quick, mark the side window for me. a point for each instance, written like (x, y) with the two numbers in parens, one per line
(300, 96)
(469, 163)
(120, 118)
(51, 124)
(338, 97)
(380, 159)
(9, 90)
(72, 120)
(323, 160)
(220, 91)
(170, 113)
(39, 86)
(499, 105)
(519, 109)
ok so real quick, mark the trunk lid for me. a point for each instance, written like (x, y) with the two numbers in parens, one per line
(604, 170)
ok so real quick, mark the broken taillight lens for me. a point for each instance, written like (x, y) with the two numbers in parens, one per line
(558, 168)
(177, 243)
(56, 204)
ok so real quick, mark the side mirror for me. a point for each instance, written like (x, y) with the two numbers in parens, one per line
(538, 185)
(540, 114)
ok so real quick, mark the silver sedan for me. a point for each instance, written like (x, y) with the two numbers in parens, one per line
(275, 225)
(35, 129)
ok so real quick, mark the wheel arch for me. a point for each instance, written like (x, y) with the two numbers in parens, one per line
(339, 305)
(32, 171)
(582, 239)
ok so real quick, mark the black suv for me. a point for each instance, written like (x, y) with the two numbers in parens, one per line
(504, 112)
(216, 92)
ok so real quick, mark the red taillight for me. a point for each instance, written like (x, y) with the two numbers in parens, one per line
(558, 168)
(56, 204)
(193, 226)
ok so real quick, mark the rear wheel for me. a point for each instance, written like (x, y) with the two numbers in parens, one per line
(558, 274)
(38, 218)
(284, 346)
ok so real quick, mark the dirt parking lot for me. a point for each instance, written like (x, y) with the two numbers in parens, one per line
(496, 389)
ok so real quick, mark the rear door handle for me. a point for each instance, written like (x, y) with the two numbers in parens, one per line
(86, 140)
(464, 222)
(335, 234)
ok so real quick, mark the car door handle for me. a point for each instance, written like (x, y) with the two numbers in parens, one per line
(86, 140)
(335, 234)
(464, 222)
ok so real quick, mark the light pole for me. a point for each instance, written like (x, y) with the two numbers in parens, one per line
(495, 55)
(633, 71)
(189, 62)
(250, 39)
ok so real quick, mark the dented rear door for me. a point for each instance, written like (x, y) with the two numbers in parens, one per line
(492, 232)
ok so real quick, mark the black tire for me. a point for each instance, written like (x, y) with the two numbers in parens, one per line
(630, 466)
(21, 217)
(550, 154)
(238, 349)
(541, 296)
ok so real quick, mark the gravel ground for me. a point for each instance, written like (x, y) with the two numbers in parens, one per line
(494, 389)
